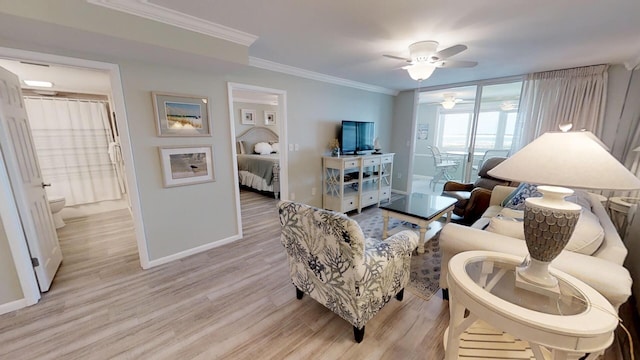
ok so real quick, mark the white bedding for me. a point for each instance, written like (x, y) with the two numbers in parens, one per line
(254, 181)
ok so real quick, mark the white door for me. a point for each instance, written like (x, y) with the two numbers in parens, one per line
(16, 143)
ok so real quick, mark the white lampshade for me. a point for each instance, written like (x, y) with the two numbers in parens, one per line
(571, 159)
(420, 71)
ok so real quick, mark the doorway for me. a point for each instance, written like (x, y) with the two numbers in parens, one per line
(258, 115)
(115, 96)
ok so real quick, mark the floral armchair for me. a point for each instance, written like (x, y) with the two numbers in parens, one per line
(330, 259)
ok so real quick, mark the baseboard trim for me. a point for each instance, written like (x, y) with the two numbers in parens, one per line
(394, 191)
(13, 306)
(193, 251)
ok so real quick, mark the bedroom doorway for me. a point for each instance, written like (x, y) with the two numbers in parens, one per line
(258, 115)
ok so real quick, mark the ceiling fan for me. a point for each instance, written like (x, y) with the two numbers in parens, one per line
(450, 101)
(424, 58)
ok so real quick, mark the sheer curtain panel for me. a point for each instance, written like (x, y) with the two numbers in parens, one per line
(575, 96)
(72, 140)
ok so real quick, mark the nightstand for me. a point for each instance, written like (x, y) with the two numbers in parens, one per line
(619, 208)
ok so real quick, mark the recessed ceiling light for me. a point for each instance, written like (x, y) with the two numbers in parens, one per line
(39, 83)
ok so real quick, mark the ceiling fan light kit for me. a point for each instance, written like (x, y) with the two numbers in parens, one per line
(450, 101)
(425, 59)
(420, 71)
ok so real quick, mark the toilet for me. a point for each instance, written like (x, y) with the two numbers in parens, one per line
(56, 203)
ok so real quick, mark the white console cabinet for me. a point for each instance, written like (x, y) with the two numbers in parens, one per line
(353, 182)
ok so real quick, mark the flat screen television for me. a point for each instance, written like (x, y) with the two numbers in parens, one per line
(357, 137)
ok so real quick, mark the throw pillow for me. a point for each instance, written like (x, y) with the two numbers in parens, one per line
(275, 147)
(581, 198)
(516, 199)
(508, 222)
(262, 148)
(587, 236)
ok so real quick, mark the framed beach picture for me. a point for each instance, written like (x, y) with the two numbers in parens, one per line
(186, 165)
(248, 116)
(181, 115)
(269, 117)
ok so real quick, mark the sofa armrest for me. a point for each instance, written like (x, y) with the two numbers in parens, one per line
(456, 186)
(478, 202)
(500, 192)
(612, 248)
(611, 280)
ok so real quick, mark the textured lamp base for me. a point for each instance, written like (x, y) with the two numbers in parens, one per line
(535, 277)
(548, 224)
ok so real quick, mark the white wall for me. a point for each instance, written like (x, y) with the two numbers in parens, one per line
(10, 289)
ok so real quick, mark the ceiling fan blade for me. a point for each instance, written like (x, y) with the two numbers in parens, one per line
(455, 64)
(449, 52)
(397, 57)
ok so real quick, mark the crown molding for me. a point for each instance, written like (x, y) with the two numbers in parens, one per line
(290, 70)
(147, 10)
(254, 101)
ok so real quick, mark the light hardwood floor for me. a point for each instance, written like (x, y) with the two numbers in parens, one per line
(232, 302)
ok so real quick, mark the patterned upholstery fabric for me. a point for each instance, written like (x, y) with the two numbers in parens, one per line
(330, 260)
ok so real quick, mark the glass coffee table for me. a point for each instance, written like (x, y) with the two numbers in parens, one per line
(418, 209)
(482, 286)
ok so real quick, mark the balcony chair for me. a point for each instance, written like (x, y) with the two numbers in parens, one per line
(491, 154)
(473, 199)
(331, 261)
(443, 167)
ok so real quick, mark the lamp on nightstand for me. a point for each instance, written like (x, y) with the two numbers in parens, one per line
(557, 160)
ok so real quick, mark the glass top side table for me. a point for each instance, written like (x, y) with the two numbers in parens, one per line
(482, 289)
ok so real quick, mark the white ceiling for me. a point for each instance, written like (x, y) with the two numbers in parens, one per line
(347, 38)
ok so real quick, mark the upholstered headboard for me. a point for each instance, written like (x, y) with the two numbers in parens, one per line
(256, 134)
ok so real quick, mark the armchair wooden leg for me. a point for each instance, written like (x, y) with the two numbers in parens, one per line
(400, 295)
(299, 293)
(358, 334)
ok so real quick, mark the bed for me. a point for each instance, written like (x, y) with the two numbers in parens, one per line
(259, 172)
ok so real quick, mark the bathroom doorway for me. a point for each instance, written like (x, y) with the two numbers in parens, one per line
(85, 89)
(75, 136)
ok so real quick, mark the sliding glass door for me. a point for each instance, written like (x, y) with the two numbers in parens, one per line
(458, 128)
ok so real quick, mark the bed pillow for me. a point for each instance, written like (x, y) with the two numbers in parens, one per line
(240, 147)
(515, 200)
(275, 147)
(263, 148)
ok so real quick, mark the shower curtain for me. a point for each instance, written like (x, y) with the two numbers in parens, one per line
(72, 138)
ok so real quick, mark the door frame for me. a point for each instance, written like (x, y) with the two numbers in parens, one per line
(282, 133)
(17, 241)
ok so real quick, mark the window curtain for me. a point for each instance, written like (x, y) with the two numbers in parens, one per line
(629, 146)
(575, 96)
(72, 140)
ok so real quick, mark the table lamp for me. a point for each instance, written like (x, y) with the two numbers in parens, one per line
(555, 161)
